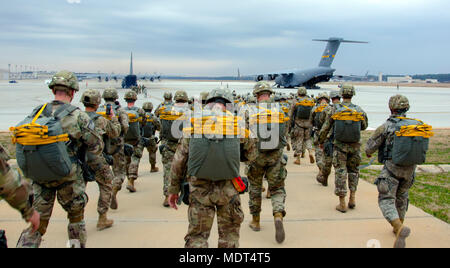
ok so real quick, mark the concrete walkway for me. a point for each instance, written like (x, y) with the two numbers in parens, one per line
(311, 220)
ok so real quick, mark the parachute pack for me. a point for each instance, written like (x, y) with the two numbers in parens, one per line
(410, 141)
(41, 151)
(134, 132)
(169, 114)
(266, 121)
(303, 108)
(214, 148)
(347, 123)
(149, 129)
(318, 112)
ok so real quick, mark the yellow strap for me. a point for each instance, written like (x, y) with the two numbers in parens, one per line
(305, 102)
(216, 125)
(35, 134)
(109, 117)
(321, 107)
(268, 117)
(423, 130)
(348, 115)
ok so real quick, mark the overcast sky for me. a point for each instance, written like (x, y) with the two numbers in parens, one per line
(200, 37)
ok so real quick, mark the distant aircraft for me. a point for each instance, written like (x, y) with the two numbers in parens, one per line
(309, 77)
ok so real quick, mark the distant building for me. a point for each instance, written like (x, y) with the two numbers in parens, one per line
(431, 81)
(400, 79)
(380, 77)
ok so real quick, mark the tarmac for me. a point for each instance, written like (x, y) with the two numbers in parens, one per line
(311, 221)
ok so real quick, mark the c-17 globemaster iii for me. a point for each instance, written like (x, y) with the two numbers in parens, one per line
(309, 77)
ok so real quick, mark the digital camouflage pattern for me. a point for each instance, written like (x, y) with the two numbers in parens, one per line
(261, 87)
(132, 162)
(130, 95)
(300, 131)
(394, 181)
(272, 166)
(119, 166)
(104, 176)
(152, 148)
(91, 97)
(180, 96)
(110, 93)
(346, 156)
(168, 154)
(207, 197)
(70, 190)
(64, 79)
(13, 188)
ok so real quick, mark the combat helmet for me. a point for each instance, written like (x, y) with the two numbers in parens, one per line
(347, 91)
(204, 96)
(323, 95)
(302, 91)
(130, 96)
(334, 94)
(147, 106)
(168, 95)
(220, 93)
(91, 97)
(181, 96)
(110, 93)
(64, 79)
(261, 87)
(398, 102)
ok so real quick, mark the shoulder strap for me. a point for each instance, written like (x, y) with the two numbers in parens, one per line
(64, 111)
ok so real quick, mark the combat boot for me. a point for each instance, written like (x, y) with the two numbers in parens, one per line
(268, 195)
(29, 240)
(279, 229)
(311, 158)
(166, 202)
(401, 232)
(130, 186)
(103, 222)
(352, 201)
(303, 154)
(114, 204)
(321, 179)
(254, 225)
(342, 207)
(154, 168)
(297, 161)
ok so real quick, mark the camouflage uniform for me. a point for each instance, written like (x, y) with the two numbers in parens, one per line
(167, 101)
(346, 156)
(301, 131)
(169, 147)
(270, 164)
(152, 148)
(70, 190)
(208, 197)
(14, 189)
(394, 181)
(132, 162)
(119, 166)
(323, 161)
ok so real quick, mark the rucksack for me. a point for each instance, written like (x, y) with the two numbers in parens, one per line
(41, 151)
(318, 111)
(409, 144)
(303, 108)
(263, 123)
(170, 115)
(134, 132)
(347, 123)
(149, 129)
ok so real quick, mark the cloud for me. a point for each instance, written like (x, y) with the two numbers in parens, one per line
(74, 1)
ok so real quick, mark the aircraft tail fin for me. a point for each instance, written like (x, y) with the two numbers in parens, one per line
(333, 44)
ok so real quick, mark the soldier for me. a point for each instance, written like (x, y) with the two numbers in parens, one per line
(110, 96)
(133, 138)
(322, 103)
(270, 162)
(301, 126)
(167, 101)
(347, 120)
(327, 160)
(148, 131)
(169, 140)
(395, 180)
(17, 191)
(204, 97)
(108, 129)
(210, 174)
(70, 190)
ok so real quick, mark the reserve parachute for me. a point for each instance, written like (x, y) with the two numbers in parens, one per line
(303, 108)
(134, 132)
(270, 126)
